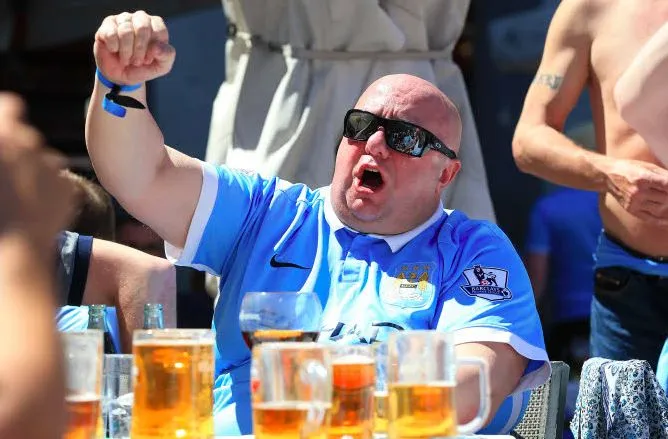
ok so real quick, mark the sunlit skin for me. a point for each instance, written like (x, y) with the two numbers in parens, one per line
(411, 186)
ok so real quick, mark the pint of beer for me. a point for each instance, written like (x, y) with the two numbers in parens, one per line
(354, 385)
(83, 367)
(293, 393)
(173, 388)
(421, 380)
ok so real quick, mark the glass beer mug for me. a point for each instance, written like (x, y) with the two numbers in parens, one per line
(83, 369)
(292, 391)
(173, 383)
(354, 385)
(422, 372)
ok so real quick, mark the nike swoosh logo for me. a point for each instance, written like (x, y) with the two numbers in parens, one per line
(278, 264)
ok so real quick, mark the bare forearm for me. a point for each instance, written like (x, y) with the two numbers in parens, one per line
(155, 285)
(546, 153)
(126, 152)
(31, 375)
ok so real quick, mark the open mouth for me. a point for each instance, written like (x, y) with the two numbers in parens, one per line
(371, 179)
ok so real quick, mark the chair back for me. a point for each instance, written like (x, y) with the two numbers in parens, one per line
(544, 416)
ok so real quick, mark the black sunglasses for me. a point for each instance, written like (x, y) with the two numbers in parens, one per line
(401, 136)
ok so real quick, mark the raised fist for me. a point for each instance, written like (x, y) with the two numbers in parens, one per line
(133, 48)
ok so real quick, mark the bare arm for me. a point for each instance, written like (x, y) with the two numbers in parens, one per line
(539, 147)
(158, 185)
(641, 94)
(506, 368)
(127, 278)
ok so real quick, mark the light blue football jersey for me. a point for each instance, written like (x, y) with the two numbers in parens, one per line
(450, 274)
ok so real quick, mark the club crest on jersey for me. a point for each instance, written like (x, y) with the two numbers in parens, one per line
(487, 283)
(411, 286)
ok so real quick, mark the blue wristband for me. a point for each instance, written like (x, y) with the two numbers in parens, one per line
(114, 103)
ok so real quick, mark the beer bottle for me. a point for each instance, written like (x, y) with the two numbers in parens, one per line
(153, 316)
(97, 320)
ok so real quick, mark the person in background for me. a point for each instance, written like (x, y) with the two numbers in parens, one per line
(642, 98)
(590, 44)
(36, 203)
(94, 270)
(563, 233)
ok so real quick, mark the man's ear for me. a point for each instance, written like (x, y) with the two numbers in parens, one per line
(448, 174)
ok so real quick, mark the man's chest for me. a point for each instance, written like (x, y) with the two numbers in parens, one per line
(621, 32)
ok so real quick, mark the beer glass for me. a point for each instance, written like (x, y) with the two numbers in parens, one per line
(280, 316)
(354, 384)
(421, 386)
(293, 392)
(83, 367)
(173, 383)
(380, 396)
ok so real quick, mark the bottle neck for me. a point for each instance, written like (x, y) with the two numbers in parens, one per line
(96, 317)
(153, 318)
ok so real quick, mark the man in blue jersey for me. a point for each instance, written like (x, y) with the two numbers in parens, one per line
(376, 246)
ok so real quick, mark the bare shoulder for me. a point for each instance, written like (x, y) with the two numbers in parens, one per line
(576, 17)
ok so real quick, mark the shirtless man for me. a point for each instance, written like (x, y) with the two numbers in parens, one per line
(591, 43)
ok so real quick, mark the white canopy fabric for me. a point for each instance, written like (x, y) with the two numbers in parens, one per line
(295, 66)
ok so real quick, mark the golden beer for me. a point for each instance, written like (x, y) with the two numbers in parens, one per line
(173, 391)
(354, 384)
(267, 335)
(290, 419)
(380, 415)
(83, 417)
(421, 410)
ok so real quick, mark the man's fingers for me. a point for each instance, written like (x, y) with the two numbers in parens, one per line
(108, 34)
(126, 35)
(143, 29)
(159, 27)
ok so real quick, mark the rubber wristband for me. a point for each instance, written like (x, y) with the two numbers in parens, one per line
(108, 104)
(109, 84)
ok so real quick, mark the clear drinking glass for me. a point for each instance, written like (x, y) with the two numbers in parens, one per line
(422, 371)
(380, 397)
(173, 383)
(354, 385)
(83, 368)
(280, 316)
(117, 394)
(292, 395)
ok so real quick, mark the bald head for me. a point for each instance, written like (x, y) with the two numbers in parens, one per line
(414, 100)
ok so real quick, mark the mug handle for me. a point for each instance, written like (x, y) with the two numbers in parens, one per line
(315, 374)
(485, 402)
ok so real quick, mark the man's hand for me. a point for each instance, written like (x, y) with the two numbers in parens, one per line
(133, 48)
(641, 188)
(36, 201)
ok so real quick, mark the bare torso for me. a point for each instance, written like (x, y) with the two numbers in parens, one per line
(620, 28)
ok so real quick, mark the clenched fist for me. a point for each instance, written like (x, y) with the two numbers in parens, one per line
(133, 48)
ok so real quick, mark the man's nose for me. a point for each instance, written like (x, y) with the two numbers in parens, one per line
(376, 145)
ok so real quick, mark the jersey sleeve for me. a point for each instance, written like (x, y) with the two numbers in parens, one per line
(488, 298)
(230, 203)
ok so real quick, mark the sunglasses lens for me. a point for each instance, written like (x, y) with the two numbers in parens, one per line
(360, 126)
(406, 139)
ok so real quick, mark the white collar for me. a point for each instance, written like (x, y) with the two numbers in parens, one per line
(396, 242)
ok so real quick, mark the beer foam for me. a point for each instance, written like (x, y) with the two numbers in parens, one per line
(380, 393)
(166, 342)
(353, 359)
(86, 397)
